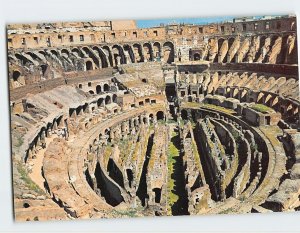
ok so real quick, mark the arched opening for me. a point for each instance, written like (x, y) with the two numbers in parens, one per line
(26, 205)
(128, 50)
(91, 55)
(107, 53)
(118, 54)
(16, 75)
(151, 118)
(258, 56)
(160, 115)
(137, 50)
(230, 43)
(65, 53)
(106, 87)
(196, 56)
(168, 49)
(107, 100)
(100, 102)
(220, 43)
(98, 89)
(148, 52)
(77, 52)
(91, 92)
(89, 65)
(78, 110)
(184, 115)
(129, 176)
(156, 51)
(44, 69)
(157, 192)
(114, 98)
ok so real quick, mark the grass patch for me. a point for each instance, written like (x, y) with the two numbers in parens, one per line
(20, 141)
(218, 108)
(128, 213)
(28, 182)
(172, 154)
(190, 105)
(261, 108)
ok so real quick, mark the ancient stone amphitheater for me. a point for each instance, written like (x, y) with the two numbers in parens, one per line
(111, 120)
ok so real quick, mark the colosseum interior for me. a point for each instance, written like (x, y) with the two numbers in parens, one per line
(111, 120)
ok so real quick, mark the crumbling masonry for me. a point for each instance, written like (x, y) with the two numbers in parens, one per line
(110, 120)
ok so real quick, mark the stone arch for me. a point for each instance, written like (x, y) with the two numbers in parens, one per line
(72, 112)
(262, 41)
(220, 43)
(156, 50)
(138, 54)
(54, 52)
(100, 102)
(65, 53)
(102, 56)
(33, 56)
(128, 49)
(79, 110)
(108, 54)
(98, 89)
(107, 99)
(92, 56)
(114, 98)
(118, 53)
(168, 50)
(77, 52)
(89, 65)
(148, 52)
(160, 115)
(23, 60)
(196, 57)
(260, 98)
(106, 87)
(267, 100)
(16, 75)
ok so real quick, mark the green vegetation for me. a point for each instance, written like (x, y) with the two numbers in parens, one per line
(218, 108)
(107, 152)
(28, 182)
(261, 108)
(19, 142)
(196, 154)
(152, 157)
(128, 213)
(169, 121)
(236, 135)
(125, 146)
(253, 147)
(161, 122)
(227, 211)
(172, 154)
(190, 105)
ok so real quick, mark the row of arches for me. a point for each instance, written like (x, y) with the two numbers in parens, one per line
(285, 106)
(86, 108)
(45, 131)
(97, 56)
(274, 49)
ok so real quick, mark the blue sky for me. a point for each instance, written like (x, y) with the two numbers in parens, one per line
(157, 22)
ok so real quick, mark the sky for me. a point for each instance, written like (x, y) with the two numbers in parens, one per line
(157, 22)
